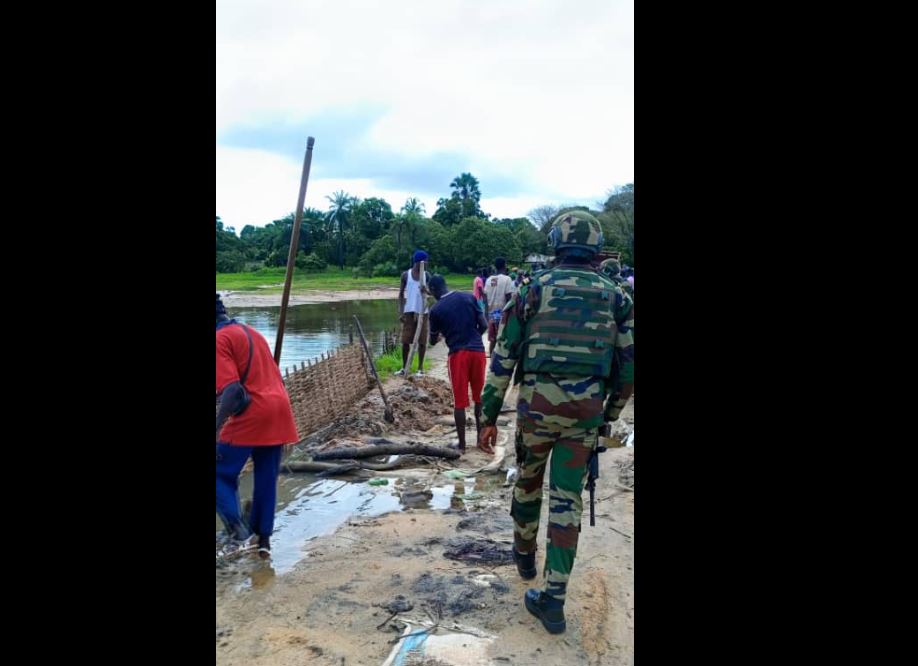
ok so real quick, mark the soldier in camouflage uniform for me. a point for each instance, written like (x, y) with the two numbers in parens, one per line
(613, 270)
(560, 340)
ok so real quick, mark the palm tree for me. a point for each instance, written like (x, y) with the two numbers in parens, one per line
(412, 205)
(412, 213)
(337, 216)
(465, 186)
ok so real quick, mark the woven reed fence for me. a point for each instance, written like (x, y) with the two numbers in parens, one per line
(325, 390)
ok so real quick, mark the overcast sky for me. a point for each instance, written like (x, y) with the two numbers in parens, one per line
(534, 97)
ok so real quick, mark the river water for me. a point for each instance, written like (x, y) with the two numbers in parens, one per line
(321, 327)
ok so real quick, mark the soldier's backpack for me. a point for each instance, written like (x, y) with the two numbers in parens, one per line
(574, 331)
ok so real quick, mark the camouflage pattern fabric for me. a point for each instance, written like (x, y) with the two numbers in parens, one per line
(611, 269)
(558, 414)
(576, 230)
(623, 364)
(575, 330)
(570, 449)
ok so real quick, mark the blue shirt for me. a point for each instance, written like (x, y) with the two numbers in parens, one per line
(456, 317)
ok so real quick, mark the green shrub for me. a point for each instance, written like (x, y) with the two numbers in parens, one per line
(386, 269)
(230, 261)
(310, 262)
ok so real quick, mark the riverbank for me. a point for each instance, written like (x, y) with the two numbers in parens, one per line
(252, 299)
(330, 280)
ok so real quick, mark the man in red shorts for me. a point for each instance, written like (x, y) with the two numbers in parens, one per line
(458, 318)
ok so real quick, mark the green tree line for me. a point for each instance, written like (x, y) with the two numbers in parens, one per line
(367, 237)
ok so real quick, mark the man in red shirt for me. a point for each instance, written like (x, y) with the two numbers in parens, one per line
(255, 419)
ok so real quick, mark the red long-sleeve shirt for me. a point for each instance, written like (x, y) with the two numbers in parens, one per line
(269, 418)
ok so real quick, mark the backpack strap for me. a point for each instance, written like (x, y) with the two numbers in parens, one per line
(248, 366)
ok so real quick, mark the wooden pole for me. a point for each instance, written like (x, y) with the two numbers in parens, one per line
(294, 244)
(389, 416)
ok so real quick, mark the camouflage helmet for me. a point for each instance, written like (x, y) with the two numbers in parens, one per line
(611, 267)
(577, 230)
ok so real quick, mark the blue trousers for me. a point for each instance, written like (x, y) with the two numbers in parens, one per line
(230, 461)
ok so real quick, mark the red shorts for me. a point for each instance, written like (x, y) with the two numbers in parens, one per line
(466, 367)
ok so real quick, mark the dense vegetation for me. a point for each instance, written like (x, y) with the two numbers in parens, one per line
(369, 239)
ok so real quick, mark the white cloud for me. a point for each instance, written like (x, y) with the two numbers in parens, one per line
(256, 187)
(541, 89)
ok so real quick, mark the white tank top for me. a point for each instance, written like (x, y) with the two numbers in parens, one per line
(414, 299)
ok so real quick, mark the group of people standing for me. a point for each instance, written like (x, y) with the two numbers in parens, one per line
(564, 335)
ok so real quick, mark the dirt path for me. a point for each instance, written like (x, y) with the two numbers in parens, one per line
(329, 608)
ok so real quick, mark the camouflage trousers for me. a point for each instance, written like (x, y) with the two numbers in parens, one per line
(569, 449)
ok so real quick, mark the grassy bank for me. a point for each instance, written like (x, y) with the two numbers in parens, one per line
(331, 279)
(389, 363)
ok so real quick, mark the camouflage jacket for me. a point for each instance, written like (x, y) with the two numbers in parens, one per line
(624, 311)
(524, 307)
(622, 283)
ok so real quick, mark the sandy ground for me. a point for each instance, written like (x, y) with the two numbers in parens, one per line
(330, 608)
(250, 299)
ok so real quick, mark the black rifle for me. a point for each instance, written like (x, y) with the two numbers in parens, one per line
(593, 466)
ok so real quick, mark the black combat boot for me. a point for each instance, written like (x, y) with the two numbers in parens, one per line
(548, 609)
(525, 564)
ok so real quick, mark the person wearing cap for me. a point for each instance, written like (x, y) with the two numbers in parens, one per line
(411, 305)
(254, 419)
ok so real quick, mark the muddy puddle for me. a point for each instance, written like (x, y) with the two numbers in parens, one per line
(309, 507)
